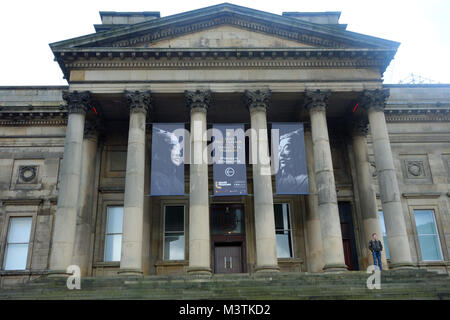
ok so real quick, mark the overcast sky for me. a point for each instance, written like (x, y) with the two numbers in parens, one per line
(27, 27)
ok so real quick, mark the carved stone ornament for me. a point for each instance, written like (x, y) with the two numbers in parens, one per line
(27, 174)
(415, 168)
(257, 99)
(138, 101)
(375, 99)
(198, 99)
(77, 102)
(316, 99)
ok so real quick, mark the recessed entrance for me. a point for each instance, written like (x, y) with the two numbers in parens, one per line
(228, 238)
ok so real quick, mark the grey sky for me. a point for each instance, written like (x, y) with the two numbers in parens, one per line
(27, 27)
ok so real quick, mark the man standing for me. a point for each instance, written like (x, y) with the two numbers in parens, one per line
(376, 247)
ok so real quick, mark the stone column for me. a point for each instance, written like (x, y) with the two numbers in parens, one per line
(199, 234)
(367, 196)
(333, 252)
(266, 244)
(133, 214)
(314, 236)
(84, 228)
(66, 213)
(374, 102)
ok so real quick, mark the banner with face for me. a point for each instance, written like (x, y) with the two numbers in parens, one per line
(292, 175)
(167, 172)
(229, 172)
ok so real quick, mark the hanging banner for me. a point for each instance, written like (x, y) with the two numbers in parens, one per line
(291, 175)
(167, 173)
(229, 171)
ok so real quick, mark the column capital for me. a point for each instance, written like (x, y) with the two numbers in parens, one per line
(316, 99)
(198, 100)
(77, 102)
(374, 99)
(257, 99)
(138, 101)
(360, 126)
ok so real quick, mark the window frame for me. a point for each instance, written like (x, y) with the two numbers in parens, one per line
(28, 210)
(105, 233)
(416, 232)
(291, 230)
(163, 242)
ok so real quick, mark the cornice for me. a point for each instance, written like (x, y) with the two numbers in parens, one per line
(26, 117)
(429, 113)
(217, 62)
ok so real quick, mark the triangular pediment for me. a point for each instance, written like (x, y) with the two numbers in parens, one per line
(225, 25)
(225, 36)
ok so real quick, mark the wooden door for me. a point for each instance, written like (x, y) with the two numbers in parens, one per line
(348, 236)
(228, 258)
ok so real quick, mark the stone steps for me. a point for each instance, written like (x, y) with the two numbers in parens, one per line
(408, 284)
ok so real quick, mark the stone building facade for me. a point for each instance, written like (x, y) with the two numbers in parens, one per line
(75, 160)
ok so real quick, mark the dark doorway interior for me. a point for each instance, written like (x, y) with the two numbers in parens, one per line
(348, 235)
(228, 238)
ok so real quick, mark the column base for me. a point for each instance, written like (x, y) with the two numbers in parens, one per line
(267, 269)
(337, 267)
(130, 272)
(199, 271)
(402, 266)
(58, 274)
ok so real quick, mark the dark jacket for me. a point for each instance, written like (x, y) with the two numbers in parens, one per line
(375, 245)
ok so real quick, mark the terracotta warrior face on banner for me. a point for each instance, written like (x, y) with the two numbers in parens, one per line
(286, 150)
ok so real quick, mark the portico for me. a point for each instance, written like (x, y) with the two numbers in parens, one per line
(135, 78)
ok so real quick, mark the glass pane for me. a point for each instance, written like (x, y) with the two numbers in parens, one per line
(383, 229)
(227, 220)
(174, 246)
(174, 220)
(113, 247)
(16, 257)
(281, 216)
(383, 226)
(284, 249)
(114, 220)
(19, 230)
(425, 222)
(386, 247)
(430, 248)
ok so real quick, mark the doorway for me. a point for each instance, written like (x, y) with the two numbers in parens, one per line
(348, 235)
(228, 254)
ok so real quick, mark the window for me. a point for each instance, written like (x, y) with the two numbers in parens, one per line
(17, 243)
(428, 235)
(283, 230)
(383, 229)
(173, 233)
(113, 241)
